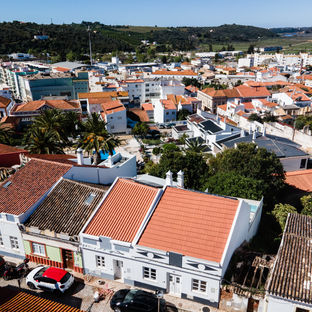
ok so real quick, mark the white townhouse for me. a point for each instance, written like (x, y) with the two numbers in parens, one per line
(164, 111)
(168, 238)
(20, 195)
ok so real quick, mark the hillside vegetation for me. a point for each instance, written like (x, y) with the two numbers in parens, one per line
(19, 37)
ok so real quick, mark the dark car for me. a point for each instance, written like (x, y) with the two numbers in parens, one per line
(135, 300)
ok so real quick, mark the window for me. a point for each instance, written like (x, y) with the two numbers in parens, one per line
(1, 239)
(38, 249)
(301, 310)
(303, 163)
(149, 273)
(100, 261)
(90, 198)
(14, 242)
(119, 118)
(198, 285)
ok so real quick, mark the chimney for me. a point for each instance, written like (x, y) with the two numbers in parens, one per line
(242, 134)
(254, 136)
(80, 156)
(180, 179)
(169, 178)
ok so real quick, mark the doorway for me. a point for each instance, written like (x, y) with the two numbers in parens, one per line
(118, 269)
(68, 258)
(174, 285)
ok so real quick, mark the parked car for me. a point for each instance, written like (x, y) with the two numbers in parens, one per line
(49, 278)
(135, 300)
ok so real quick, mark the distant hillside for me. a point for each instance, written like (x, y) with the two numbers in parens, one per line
(19, 37)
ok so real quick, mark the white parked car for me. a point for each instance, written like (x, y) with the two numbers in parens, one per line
(49, 278)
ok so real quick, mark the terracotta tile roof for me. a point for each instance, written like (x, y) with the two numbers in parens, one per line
(12, 300)
(7, 149)
(113, 106)
(62, 69)
(175, 73)
(60, 158)
(195, 118)
(298, 96)
(148, 106)
(192, 89)
(301, 179)
(168, 104)
(58, 104)
(68, 199)
(248, 92)
(214, 93)
(231, 93)
(140, 113)
(4, 102)
(292, 271)
(223, 107)
(268, 103)
(123, 211)
(191, 223)
(29, 184)
(90, 95)
(248, 106)
(252, 83)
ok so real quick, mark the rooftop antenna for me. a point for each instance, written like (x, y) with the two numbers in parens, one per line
(51, 21)
(89, 31)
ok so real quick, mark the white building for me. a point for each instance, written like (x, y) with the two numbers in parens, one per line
(164, 111)
(165, 244)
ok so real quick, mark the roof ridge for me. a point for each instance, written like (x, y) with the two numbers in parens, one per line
(83, 184)
(50, 162)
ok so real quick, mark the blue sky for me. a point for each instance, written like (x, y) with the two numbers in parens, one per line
(264, 13)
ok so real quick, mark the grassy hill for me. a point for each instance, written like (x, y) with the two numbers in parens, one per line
(19, 37)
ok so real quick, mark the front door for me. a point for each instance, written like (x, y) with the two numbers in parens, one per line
(118, 265)
(68, 259)
(174, 286)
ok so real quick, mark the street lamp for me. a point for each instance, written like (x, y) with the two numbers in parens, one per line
(159, 294)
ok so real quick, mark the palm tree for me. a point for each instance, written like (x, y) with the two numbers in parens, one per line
(42, 141)
(6, 133)
(53, 120)
(96, 138)
(195, 146)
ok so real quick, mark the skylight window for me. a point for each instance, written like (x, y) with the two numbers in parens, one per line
(90, 199)
(7, 184)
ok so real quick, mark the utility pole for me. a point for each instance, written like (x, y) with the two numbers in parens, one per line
(89, 31)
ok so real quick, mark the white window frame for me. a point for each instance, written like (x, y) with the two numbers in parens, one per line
(199, 286)
(149, 273)
(100, 261)
(1, 240)
(38, 249)
(14, 242)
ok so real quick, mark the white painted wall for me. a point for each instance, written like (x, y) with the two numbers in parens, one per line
(116, 122)
(293, 163)
(100, 175)
(275, 304)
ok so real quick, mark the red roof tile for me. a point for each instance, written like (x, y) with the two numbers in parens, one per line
(148, 106)
(12, 300)
(301, 179)
(4, 102)
(175, 73)
(191, 223)
(7, 149)
(58, 104)
(140, 113)
(29, 184)
(123, 211)
(249, 92)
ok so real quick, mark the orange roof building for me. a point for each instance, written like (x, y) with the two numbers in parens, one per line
(153, 237)
(301, 179)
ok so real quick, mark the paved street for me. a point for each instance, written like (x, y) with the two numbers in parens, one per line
(79, 296)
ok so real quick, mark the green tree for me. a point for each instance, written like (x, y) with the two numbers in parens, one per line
(251, 49)
(306, 202)
(96, 138)
(141, 129)
(193, 164)
(195, 146)
(255, 117)
(250, 161)
(281, 211)
(182, 114)
(6, 134)
(233, 184)
(43, 141)
(164, 59)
